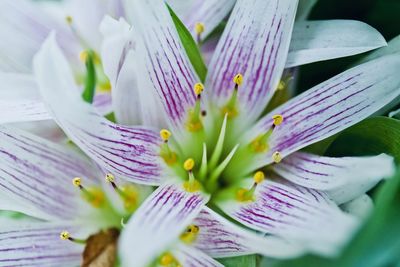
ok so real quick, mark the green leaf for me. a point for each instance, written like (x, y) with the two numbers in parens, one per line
(369, 137)
(191, 48)
(90, 79)
(248, 261)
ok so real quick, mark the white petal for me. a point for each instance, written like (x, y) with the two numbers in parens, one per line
(361, 206)
(314, 41)
(20, 99)
(392, 47)
(190, 257)
(325, 173)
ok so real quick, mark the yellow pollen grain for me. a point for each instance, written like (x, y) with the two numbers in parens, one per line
(259, 177)
(277, 119)
(238, 79)
(68, 19)
(64, 235)
(165, 134)
(199, 28)
(77, 181)
(198, 88)
(190, 234)
(277, 157)
(110, 178)
(188, 165)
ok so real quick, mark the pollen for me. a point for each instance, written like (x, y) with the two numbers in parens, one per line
(199, 28)
(68, 19)
(77, 181)
(110, 178)
(277, 119)
(190, 234)
(198, 88)
(188, 165)
(64, 235)
(238, 79)
(259, 177)
(165, 135)
(277, 157)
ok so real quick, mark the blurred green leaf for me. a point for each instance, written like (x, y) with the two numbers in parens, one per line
(243, 261)
(192, 50)
(369, 137)
(90, 79)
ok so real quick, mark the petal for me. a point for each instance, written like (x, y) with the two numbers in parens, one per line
(314, 41)
(36, 176)
(296, 215)
(361, 206)
(255, 43)
(157, 223)
(23, 28)
(39, 245)
(131, 152)
(331, 106)
(325, 173)
(208, 12)
(219, 238)
(165, 61)
(190, 257)
(393, 47)
(20, 99)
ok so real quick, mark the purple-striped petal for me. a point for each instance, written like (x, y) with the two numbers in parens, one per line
(219, 238)
(360, 207)
(190, 257)
(158, 222)
(314, 41)
(325, 173)
(165, 61)
(36, 176)
(208, 12)
(294, 214)
(331, 106)
(131, 152)
(255, 43)
(39, 244)
(20, 99)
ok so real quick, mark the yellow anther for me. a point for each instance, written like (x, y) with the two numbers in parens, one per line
(83, 56)
(77, 181)
(188, 165)
(278, 119)
(64, 235)
(281, 85)
(277, 157)
(238, 79)
(165, 134)
(190, 234)
(259, 177)
(68, 19)
(110, 178)
(198, 88)
(199, 28)
(168, 260)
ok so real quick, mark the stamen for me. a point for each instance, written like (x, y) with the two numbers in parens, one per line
(277, 119)
(190, 234)
(194, 124)
(92, 195)
(65, 235)
(192, 185)
(244, 195)
(128, 193)
(199, 29)
(260, 143)
(169, 156)
(230, 108)
(277, 157)
(168, 260)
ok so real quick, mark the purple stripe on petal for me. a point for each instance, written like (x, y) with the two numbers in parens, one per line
(162, 217)
(255, 43)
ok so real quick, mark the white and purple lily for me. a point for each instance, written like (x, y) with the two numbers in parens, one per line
(220, 139)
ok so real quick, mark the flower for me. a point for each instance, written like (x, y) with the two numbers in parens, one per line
(209, 157)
